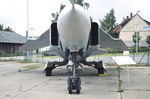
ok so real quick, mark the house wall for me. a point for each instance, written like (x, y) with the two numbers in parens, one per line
(136, 24)
(9, 48)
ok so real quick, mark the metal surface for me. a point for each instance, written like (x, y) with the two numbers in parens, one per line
(74, 28)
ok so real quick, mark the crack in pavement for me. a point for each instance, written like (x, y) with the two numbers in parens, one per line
(30, 88)
(137, 89)
(119, 83)
(120, 95)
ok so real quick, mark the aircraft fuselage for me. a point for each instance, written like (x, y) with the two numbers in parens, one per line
(74, 28)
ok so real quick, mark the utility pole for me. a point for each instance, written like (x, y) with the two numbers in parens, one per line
(148, 58)
(27, 58)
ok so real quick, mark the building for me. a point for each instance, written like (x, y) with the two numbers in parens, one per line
(126, 29)
(10, 42)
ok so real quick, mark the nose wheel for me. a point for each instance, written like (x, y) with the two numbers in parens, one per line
(74, 83)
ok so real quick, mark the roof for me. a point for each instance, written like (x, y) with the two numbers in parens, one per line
(118, 28)
(11, 37)
(147, 22)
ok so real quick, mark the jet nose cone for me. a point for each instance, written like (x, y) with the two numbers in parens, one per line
(74, 26)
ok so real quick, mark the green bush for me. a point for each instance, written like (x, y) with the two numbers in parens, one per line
(2, 54)
(141, 49)
(112, 51)
(109, 50)
(17, 54)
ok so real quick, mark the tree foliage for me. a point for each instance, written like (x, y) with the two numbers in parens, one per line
(8, 29)
(55, 15)
(108, 22)
(1, 27)
(82, 3)
(148, 40)
(136, 37)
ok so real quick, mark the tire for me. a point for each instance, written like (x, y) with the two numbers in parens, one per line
(48, 72)
(70, 85)
(78, 85)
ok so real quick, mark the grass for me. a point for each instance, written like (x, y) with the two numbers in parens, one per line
(119, 68)
(137, 65)
(120, 54)
(121, 90)
(32, 66)
(117, 54)
(50, 56)
(24, 61)
(7, 60)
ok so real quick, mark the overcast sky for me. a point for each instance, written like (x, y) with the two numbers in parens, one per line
(13, 13)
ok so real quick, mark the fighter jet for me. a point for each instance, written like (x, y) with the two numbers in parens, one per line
(74, 37)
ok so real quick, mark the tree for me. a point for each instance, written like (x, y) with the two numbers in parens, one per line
(56, 14)
(80, 2)
(108, 23)
(148, 42)
(136, 38)
(8, 29)
(1, 27)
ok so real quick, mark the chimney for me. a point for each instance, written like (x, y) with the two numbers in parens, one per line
(127, 17)
(131, 14)
(123, 19)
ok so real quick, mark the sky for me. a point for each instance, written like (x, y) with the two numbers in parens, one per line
(13, 13)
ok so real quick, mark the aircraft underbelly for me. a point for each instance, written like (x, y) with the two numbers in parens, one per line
(75, 44)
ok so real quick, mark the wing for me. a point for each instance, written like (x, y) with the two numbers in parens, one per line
(94, 50)
(55, 50)
(42, 41)
(106, 41)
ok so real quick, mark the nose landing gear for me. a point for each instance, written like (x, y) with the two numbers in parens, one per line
(74, 83)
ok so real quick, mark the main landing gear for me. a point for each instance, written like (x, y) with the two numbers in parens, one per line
(52, 65)
(48, 70)
(97, 65)
(74, 82)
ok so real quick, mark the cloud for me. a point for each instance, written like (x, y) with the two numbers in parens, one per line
(13, 12)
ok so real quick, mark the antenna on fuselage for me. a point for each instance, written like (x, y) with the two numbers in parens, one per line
(72, 2)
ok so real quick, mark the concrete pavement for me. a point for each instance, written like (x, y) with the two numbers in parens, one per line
(32, 83)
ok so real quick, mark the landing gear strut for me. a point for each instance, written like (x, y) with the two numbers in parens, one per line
(48, 70)
(52, 65)
(100, 68)
(74, 82)
(97, 65)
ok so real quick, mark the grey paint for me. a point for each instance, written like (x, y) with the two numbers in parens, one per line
(11, 37)
(106, 41)
(42, 41)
